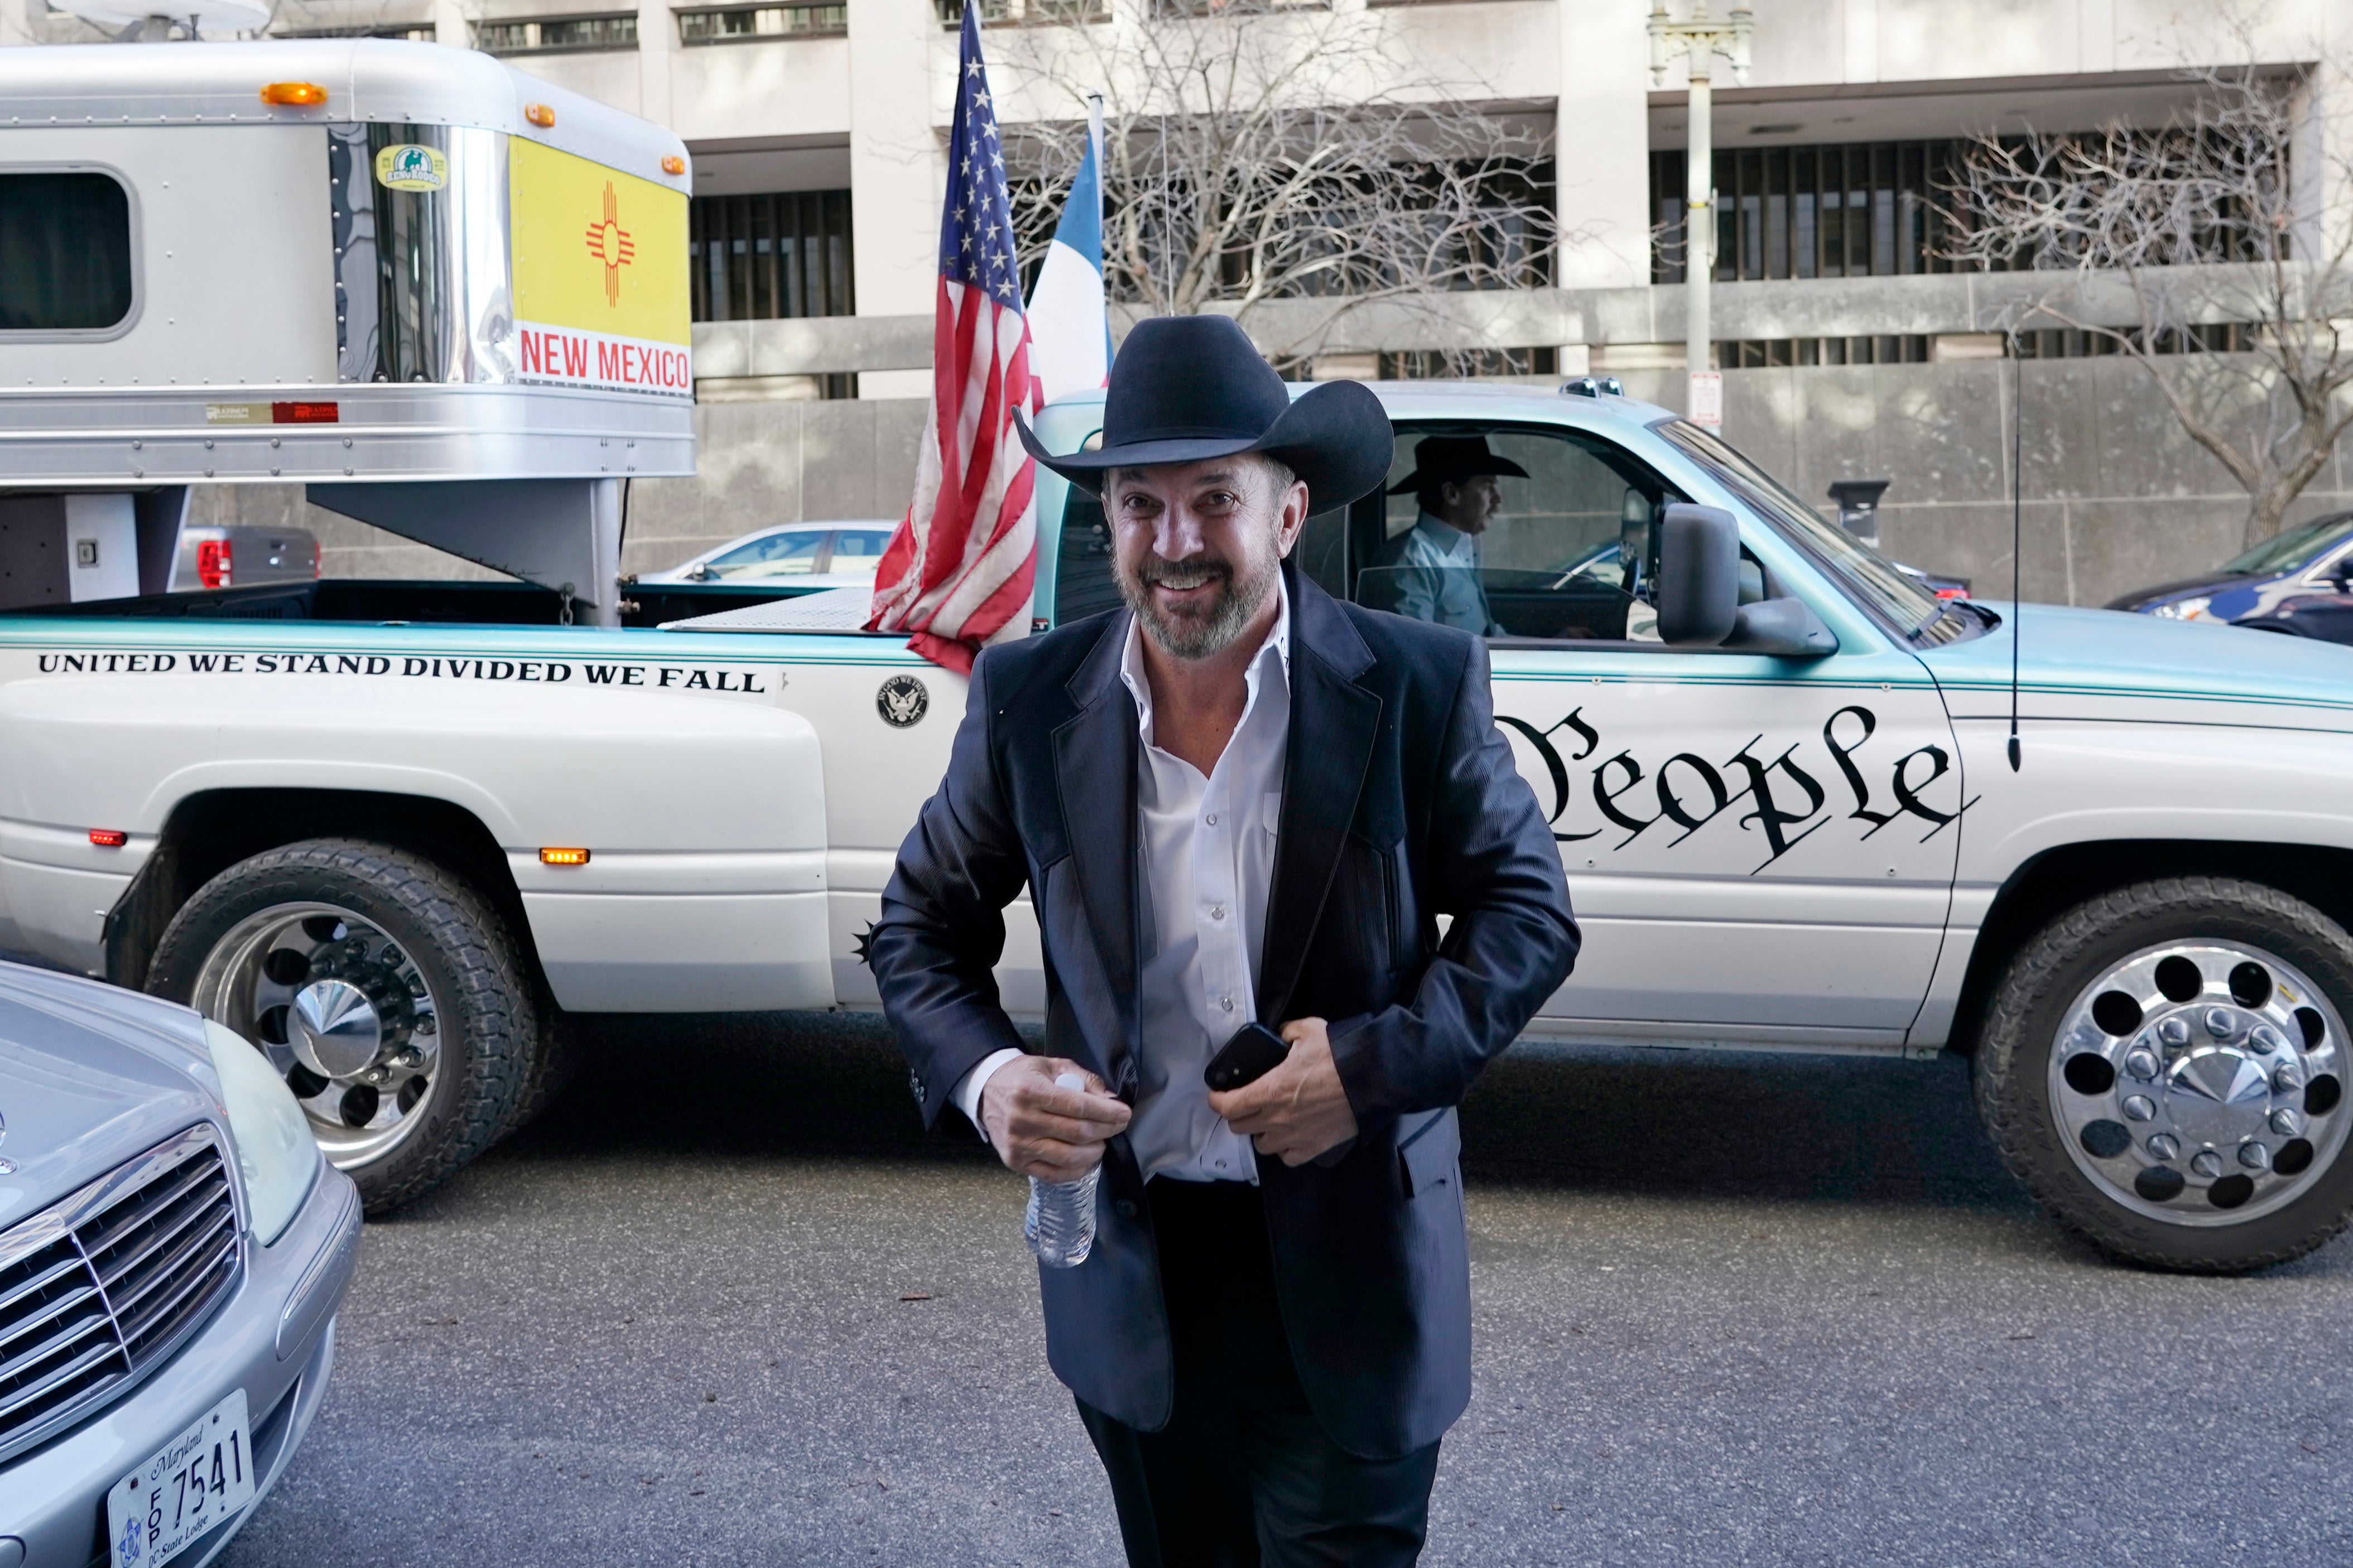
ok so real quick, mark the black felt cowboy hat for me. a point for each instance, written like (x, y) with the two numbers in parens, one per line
(1188, 388)
(1451, 459)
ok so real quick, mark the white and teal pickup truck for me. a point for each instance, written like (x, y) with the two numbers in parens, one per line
(391, 838)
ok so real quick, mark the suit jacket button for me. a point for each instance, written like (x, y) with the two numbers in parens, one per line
(1126, 1207)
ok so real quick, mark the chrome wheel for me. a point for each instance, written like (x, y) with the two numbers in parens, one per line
(341, 1010)
(2201, 1082)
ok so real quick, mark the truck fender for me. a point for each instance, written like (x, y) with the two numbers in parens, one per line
(704, 819)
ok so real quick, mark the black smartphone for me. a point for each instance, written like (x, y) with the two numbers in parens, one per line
(1253, 1052)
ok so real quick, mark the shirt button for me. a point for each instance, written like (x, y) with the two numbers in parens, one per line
(1226, 1003)
(1217, 911)
(1212, 819)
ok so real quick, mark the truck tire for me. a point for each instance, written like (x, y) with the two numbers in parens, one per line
(2164, 1067)
(389, 993)
(552, 1061)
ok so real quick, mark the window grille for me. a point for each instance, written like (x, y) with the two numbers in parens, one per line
(778, 253)
(1048, 13)
(557, 35)
(747, 24)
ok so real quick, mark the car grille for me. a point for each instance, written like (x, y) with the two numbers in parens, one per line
(99, 1288)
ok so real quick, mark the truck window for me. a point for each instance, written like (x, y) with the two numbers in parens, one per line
(65, 252)
(1566, 552)
(1084, 585)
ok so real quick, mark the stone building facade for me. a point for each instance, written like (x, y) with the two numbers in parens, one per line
(817, 128)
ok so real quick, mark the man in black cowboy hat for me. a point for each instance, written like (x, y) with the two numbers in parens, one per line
(1236, 800)
(1432, 570)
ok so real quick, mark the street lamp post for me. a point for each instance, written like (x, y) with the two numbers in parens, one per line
(1700, 40)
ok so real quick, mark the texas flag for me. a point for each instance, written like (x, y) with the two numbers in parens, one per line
(1070, 328)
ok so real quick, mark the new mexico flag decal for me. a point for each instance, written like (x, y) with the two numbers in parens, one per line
(600, 287)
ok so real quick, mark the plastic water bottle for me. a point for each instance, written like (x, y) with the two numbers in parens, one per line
(1061, 1221)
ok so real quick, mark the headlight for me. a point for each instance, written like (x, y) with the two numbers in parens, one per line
(274, 1146)
(2184, 610)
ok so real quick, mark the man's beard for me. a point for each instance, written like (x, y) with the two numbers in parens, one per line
(1198, 634)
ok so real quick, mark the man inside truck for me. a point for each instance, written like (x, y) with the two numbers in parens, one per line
(1432, 569)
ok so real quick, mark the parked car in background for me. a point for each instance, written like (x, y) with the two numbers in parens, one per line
(2296, 582)
(173, 1253)
(842, 555)
(241, 556)
(1937, 582)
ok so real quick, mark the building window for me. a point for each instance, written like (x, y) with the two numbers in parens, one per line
(1234, 7)
(2219, 337)
(1860, 210)
(402, 32)
(747, 24)
(557, 35)
(1459, 364)
(758, 257)
(1047, 13)
(1766, 353)
(1863, 209)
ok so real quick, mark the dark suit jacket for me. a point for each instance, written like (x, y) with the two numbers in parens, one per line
(1400, 803)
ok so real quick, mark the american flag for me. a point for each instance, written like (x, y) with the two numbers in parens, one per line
(958, 570)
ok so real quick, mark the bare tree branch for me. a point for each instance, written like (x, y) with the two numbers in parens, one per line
(1256, 150)
(2216, 184)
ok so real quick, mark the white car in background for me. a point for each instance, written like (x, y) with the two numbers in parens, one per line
(837, 555)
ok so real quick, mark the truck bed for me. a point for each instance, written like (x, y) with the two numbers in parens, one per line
(427, 601)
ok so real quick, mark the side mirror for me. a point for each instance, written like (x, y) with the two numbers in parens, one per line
(1783, 626)
(1699, 575)
(1699, 592)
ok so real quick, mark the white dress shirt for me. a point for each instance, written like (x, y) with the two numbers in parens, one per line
(1434, 572)
(1205, 860)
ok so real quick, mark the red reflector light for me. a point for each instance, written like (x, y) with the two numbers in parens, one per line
(108, 838)
(1952, 592)
(213, 564)
(303, 414)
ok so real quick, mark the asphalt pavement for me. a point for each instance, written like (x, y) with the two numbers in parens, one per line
(727, 1304)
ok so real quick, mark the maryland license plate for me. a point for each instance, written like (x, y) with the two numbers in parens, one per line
(202, 1476)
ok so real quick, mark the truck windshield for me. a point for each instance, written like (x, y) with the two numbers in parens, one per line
(1895, 597)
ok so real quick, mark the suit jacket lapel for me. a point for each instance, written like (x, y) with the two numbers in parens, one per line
(1094, 771)
(1334, 724)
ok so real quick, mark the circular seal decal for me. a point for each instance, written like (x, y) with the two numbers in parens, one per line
(903, 701)
(405, 166)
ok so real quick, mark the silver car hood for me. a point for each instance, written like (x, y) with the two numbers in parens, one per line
(90, 1076)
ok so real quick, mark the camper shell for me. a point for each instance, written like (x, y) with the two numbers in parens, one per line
(448, 297)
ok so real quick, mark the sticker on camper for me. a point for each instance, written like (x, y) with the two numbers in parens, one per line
(405, 166)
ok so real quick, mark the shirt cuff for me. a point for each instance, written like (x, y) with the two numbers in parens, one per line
(966, 1093)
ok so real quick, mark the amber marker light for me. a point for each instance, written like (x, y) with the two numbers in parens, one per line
(295, 94)
(115, 838)
(561, 857)
(673, 164)
(539, 114)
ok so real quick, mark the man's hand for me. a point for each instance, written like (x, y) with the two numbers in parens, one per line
(1044, 1131)
(1300, 1109)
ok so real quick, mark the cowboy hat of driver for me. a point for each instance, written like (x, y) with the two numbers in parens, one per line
(1451, 459)
(1184, 389)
